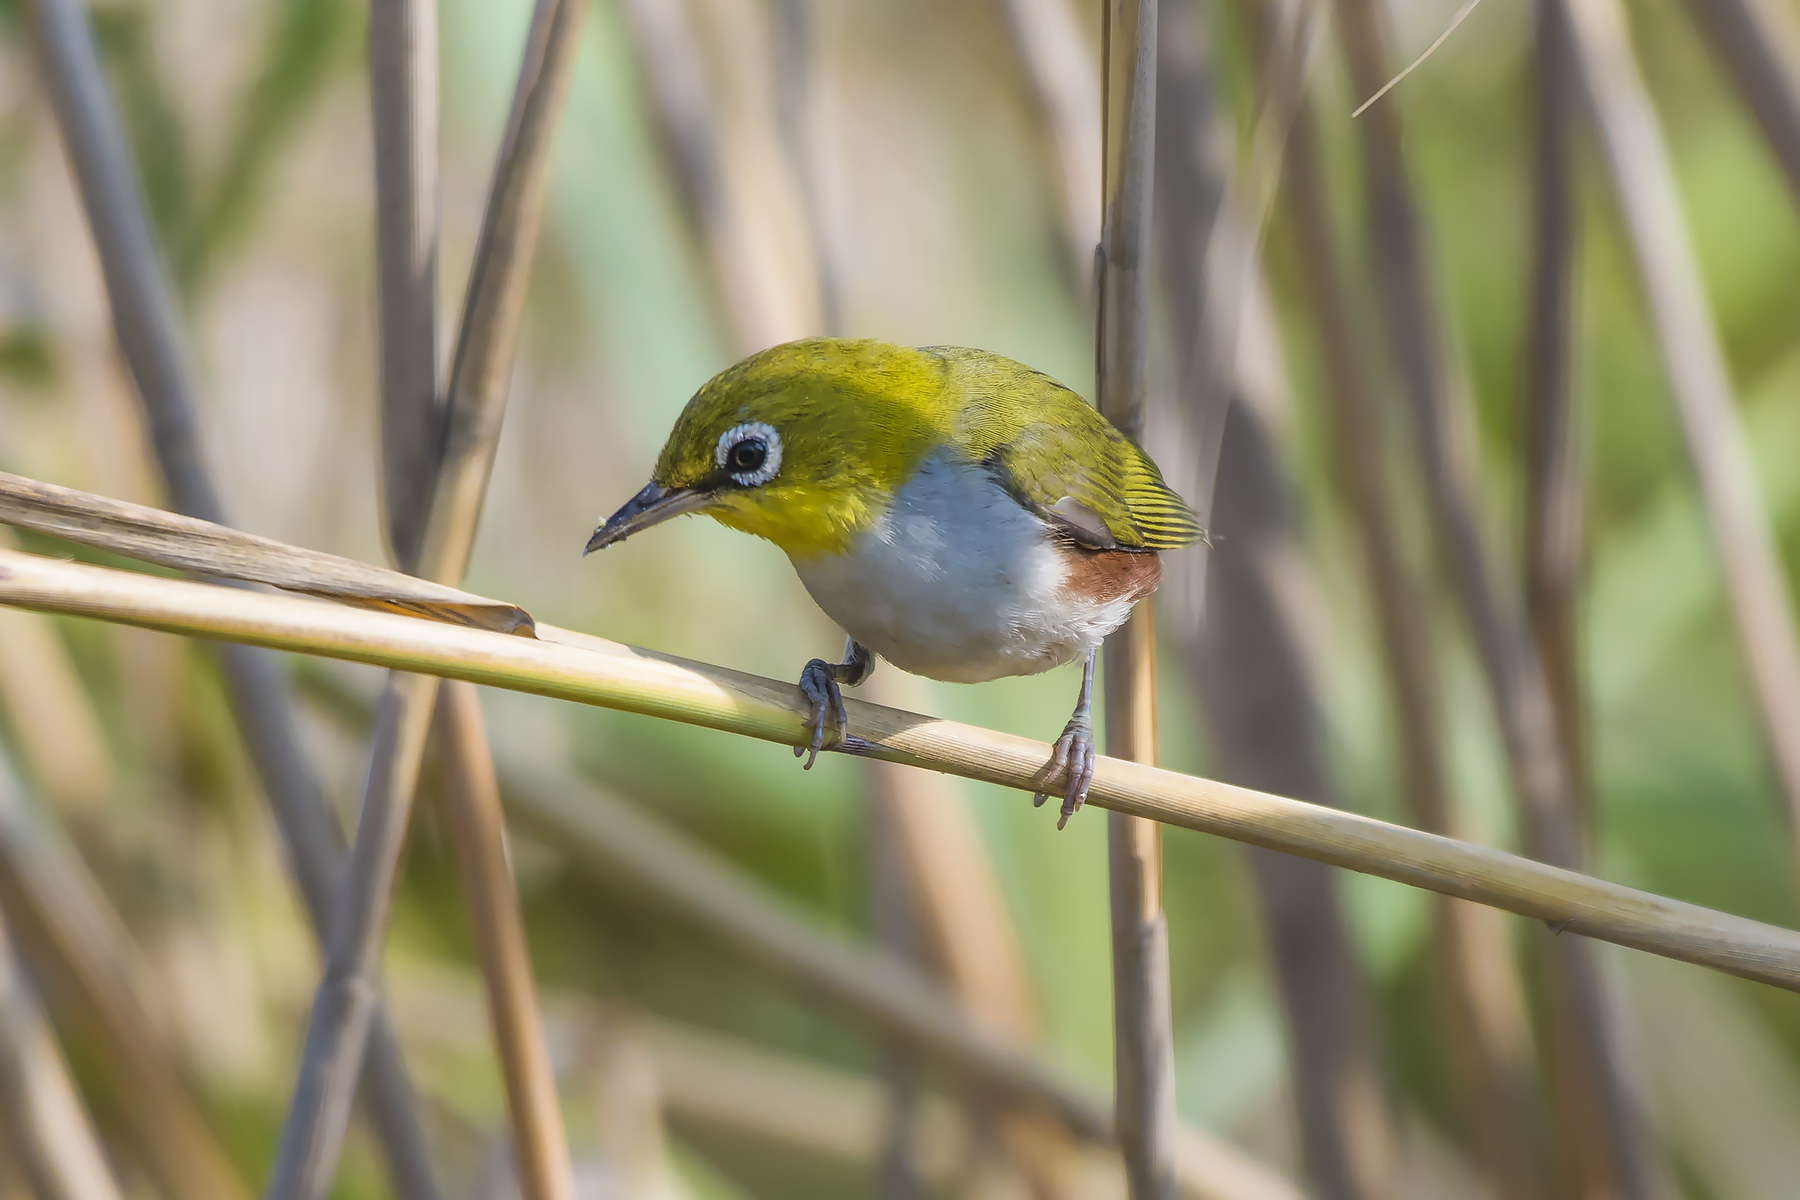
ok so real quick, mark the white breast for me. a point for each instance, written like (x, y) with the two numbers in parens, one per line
(957, 581)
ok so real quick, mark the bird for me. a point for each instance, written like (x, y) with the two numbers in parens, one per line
(958, 513)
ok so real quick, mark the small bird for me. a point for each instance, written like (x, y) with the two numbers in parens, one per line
(957, 513)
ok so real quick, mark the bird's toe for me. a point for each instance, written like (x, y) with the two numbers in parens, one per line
(819, 685)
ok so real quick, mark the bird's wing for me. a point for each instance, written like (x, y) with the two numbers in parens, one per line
(1094, 485)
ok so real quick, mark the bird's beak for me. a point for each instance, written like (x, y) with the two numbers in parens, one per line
(652, 506)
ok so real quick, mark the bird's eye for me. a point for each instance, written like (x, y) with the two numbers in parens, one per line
(750, 453)
(746, 458)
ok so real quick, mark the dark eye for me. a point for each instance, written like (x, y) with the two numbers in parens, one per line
(747, 457)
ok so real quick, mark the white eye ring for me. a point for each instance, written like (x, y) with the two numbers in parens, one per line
(729, 440)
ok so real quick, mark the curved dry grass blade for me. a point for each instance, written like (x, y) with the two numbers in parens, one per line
(1144, 1039)
(1644, 183)
(47, 1126)
(55, 907)
(313, 1133)
(590, 670)
(204, 548)
(144, 316)
(1484, 1005)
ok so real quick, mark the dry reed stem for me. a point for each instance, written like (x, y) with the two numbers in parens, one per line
(571, 666)
(403, 95)
(57, 910)
(1482, 996)
(1143, 1032)
(312, 1135)
(1246, 657)
(1554, 479)
(1759, 45)
(1644, 184)
(145, 319)
(1605, 1133)
(472, 799)
(42, 1114)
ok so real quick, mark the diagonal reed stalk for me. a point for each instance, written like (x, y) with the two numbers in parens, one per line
(1143, 1025)
(1482, 997)
(590, 670)
(1605, 1137)
(41, 1113)
(312, 1136)
(145, 319)
(1644, 184)
(403, 86)
(1758, 43)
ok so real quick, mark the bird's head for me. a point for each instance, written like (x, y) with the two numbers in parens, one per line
(802, 444)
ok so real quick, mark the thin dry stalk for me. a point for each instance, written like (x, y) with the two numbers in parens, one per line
(65, 920)
(1058, 61)
(338, 1027)
(403, 43)
(1759, 47)
(1483, 1002)
(1644, 183)
(403, 94)
(45, 1123)
(1604, 1131)
(472, 798)
(144, 318)
(1246, 657)
(1553, 472)
(1144, 1040)
(571, 666)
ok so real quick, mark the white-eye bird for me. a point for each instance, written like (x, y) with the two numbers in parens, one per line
(959, 514)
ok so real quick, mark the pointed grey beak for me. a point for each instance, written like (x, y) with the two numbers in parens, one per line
(652, 506)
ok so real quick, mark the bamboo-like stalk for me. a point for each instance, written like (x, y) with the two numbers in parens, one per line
(145, 320)
(1143, 1025)
(403, 94)
(46, 1124)
(62, 916)
(1246, 659)
(1758, 44)
(1644, 184)
(472, 798)
(1483, 1001)
(403, 42)
(312, 1135)
(1605, 1132)
(590, 670)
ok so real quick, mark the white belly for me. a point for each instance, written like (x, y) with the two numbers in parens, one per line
(957, 582)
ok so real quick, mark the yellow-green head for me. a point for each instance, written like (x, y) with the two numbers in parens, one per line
(806, 443)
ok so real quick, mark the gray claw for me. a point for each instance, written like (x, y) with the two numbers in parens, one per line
(1074, 759)
(819, 684)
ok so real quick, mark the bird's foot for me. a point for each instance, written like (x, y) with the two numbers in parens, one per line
(819, 684)
(1073, 758)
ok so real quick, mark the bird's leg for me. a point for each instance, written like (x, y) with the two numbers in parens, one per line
(1074, 751)
(819, 683)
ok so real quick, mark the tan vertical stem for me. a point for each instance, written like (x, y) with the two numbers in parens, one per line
(1143, 1037)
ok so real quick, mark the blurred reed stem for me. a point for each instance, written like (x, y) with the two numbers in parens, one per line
(1143, 1025)
(1699, 378)
(1554, 479)
(1758, 44)
(1244, 656)
(56, 909)
(1481, 996)
(145, 319)
(1603, 1133)
(312, 1135)
(45, 1124)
